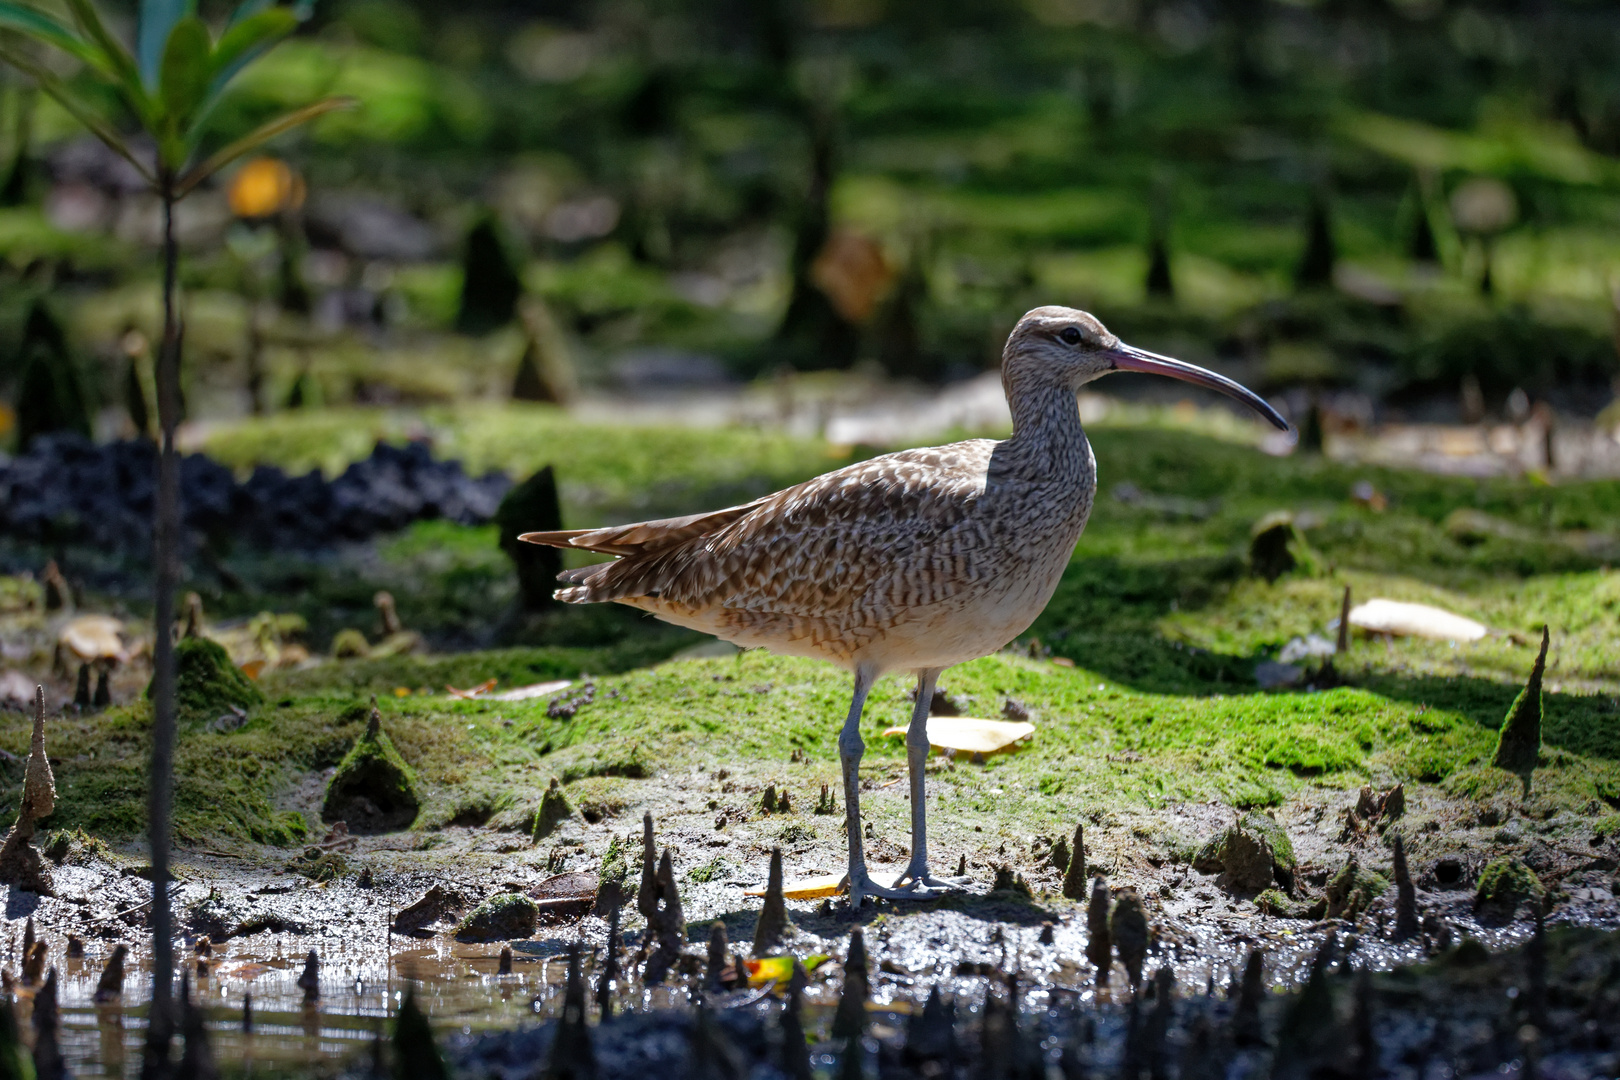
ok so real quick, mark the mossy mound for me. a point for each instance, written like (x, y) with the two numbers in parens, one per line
(1278, 903)
(500, 918)
(1277, 547)
(553, 810)
(373, 789)
(1352, 889)
(1504, 884)
(1250, 855)
(532, 506)
(206, 683)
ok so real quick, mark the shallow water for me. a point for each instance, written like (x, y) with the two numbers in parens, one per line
(362, 982)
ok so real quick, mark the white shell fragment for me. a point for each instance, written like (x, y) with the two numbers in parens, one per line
(1414, 620)
(971, 735)
(533, 690)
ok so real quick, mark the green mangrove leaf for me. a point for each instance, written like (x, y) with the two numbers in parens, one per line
(43, 28)
(50, 85)
(244, 40)
(258, 137)
(152, 29)
(186, 72)
(118, 62)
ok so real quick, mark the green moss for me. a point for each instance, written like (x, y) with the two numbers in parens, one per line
(615, 867)
(500, 918)
(1504, 884)
(319, 865)
(1277, 547)
(373, 789)
(207, 683)
(716, 869)
(1278, 903)
(795, 833)
(1352, 889)
(1249, 854)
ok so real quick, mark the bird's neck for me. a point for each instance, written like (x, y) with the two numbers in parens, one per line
(1047, 438)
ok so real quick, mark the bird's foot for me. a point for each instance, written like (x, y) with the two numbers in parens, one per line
(862, 886)
(919, 883)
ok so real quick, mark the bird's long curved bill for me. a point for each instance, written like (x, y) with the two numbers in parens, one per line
(1130, 358)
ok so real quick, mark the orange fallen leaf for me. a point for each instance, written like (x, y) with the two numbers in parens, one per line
(972, 735)
(482, 688)
(808, 889)
(252, 668)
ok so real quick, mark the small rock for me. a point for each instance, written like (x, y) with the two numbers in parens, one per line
(503, 917)
(1249, 855)
(1504, 885)
(1274, 675)
(435, 904)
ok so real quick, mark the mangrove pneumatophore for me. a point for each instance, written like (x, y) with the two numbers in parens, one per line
(1519, 742)
(373, 789)
(20, 862)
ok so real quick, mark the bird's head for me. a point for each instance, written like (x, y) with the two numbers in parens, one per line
(1071, 348)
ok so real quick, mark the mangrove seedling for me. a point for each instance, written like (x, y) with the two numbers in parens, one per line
(169, 84)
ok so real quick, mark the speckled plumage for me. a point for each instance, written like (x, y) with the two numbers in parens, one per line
(917, 559)
(914, 561)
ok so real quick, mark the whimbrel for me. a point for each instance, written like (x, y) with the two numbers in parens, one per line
(912, 561)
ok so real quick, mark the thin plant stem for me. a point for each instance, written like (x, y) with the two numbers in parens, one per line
(166, 554)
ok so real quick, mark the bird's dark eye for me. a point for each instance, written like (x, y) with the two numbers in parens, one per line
(1069, 335)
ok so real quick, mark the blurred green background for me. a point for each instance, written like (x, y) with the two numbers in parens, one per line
(1411, 204)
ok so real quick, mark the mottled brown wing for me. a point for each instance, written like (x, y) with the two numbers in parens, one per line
(642, 536)
(895, 530)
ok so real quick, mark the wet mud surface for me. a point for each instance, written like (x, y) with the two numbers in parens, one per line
(350, 899)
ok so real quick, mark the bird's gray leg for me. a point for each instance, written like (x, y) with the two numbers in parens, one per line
(916, 878)
(850, 749)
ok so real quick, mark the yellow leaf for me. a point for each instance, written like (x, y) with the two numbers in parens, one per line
(777, 969)
(402, 691)
(971, 735)
(808, 889)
